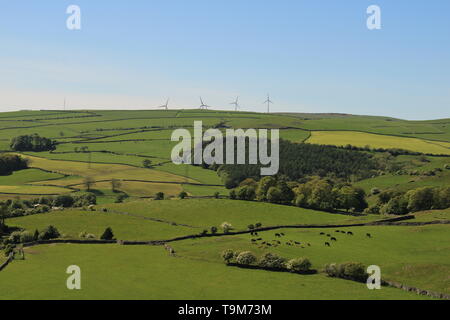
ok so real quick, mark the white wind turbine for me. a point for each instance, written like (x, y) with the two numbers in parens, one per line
(165, 106)
(268, 101)
(203, 106)
(236, 104)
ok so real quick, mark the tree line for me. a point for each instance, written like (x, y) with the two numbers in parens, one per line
(32, 142)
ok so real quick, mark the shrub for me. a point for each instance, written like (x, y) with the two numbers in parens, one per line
(49, 233)
(348, 270)
(216, 195)
(233, 195)
(82, 235)
(65, 201)
(226, 227)
(214, 230)
(375, 191)
(355, 271)
(272, 261)
(108, 234)
(159, 196)
(228, 255)
(246, 258)
(26, 237)
(299, 265)
(15, 237)
(182, 195)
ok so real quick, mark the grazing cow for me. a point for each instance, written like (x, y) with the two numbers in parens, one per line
(259, 239)
(297, 243)
(277, 235)
(369, 235)
(328, 235)
(253, 240)
(343, 232)
(264, 243)
(256, 233)
(279, 242)
(333, 239)
(337, 231)
(282, 234)
(309, 244)
(269, 245)
(350, 233)
(327, 244)
(322, 233)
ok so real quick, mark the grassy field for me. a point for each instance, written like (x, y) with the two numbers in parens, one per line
(205, 213)
(150, 273)
(119, 141)
(361, 139)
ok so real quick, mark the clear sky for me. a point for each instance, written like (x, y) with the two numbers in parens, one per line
(312, 56)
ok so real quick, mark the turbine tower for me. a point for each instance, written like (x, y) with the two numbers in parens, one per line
(236, 104)
(203, 106)
(165, 106)
(268, 101)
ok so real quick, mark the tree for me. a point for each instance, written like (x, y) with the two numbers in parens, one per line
(322, 196)
(352, 198)
(49, 233)
(107, 234)
(263, 187)
(4, 213)
(159, 196)
(147, 163)
(115, 184)
(88, 183)
(397, 206)
(420, 199)
(272, 261)
(64, 200)
(274, 195)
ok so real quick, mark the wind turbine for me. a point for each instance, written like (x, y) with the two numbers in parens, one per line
(203, 106)
(236, 104)
(268, 101)
(165, 106)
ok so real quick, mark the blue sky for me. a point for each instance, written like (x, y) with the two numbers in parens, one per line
(312, 56)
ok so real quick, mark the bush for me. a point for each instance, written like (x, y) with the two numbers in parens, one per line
(233, 195)
(216, 195)
(214, 230)
(226, 227)
(159, 196)
(49, 233)
(272, 261)
(182, 195)
(348, 270)
(299, 265)
(15, 237)
(65, 201)
(26, 237)
(246, 258)
(32, 143)
(108, 234)
(228, 255)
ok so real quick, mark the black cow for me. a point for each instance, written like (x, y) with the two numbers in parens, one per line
(327, 244)
(333, 239)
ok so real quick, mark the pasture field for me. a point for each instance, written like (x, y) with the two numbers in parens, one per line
(361, 139)
(72, 222)
(205, 213)
(119, 141)
(146, 272)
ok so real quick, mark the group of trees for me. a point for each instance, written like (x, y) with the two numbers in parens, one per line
(32, 142)
(268, 261)
(317, 193)
(300, 160)
(348, 270)
(11, 162)
(17, 207)
(420, 199)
